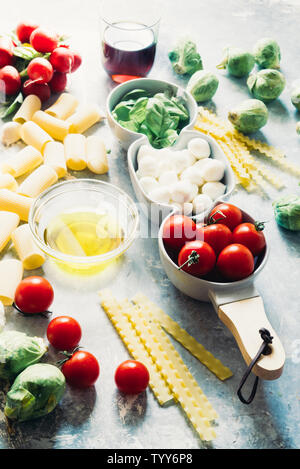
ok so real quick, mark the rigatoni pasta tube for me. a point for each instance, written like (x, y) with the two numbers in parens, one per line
(30, 105)
(16, 203)
(33, 134)
(96, 155)
(30, 255)
(75, 151)
(10, 133)
(63, 107)
(38, 181)
(7, 181)
(54, 156)
(84, 119)
(22, 162)
(8, 223)
(11, 272)
(56, 128)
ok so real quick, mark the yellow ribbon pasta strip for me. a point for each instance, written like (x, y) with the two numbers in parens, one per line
(135, 346)
(182, 336)
(262, 147)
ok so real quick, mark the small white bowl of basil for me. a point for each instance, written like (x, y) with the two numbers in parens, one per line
(155, 108)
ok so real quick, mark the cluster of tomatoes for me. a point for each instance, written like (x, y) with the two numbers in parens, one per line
(41, 75)
(34, 295)
(223, 249)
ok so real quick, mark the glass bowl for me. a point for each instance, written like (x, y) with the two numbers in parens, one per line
(83, 195)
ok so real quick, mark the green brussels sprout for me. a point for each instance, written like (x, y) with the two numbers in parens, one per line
(266, 84)
(267, 53)
(238, 62)
(185, 59)
(202, 85)
(295, 98)
(249, 116)
(287, 212)
(17, 351)
(35, 392)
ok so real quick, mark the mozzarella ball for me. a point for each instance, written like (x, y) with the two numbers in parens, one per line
(10, 133)
(190, 157)
(213, 170)
(145, 150)
(180, 161)
(200, 164)
(148, 183)
(199, 148)
(185, 209)
(147, 167)
(167, 178)
(213, 189)
(201, 203)
(160, 194)
(183, 191)
(193, 175)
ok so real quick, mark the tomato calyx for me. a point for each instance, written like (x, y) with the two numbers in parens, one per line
(260, 225)
(192, 259)
(211, 220)
(44, 314)
(67, 355)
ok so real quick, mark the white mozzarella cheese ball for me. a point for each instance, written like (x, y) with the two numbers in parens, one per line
(160, 194)
(147, 167)
(199, 148)
(185, 209)
(167, 178)
(148, 183)
(180, 161)
(194, 175)
(145, 150)
(213, 170)
(183, 191)
(200, 164)
(190, 157)
(10, 133)
(201, 203)
(213, 189)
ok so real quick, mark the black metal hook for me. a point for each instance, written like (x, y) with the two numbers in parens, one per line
(264, 349)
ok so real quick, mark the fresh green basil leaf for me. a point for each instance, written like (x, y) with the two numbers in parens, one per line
(138, 112)
(136, 94)
(155, 115)
(11, 107)
(121, 111)
(26, 52)
(130, 125)
(167, 140)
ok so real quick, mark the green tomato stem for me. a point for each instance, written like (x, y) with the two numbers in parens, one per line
(192, 259)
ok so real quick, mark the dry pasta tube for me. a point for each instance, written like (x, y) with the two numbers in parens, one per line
(7, 181)
(33, 135)
(54, 156)
(22, 162)
(16, 203)
(38, 181)
(84, 119)
(10, 133)
(56, 128)
(96, 155)
(30, 105)
(75, 151)
(11, 272)
(8, 223)
(64, 107)
(30, 255)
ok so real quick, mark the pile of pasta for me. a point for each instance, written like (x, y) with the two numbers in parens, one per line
(54, 143)
(250, 173)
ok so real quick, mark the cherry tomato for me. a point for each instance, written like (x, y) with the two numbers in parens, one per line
(77, 61)
(6, 51)
(64, 333)
(43, 40)
(132, 377)
(226, 214)
(34, 295)
(216, 235)
(40, 69)
(24, 31)
(177, 230)
(235, 262)
(197, 258)
(58, 82)
(81, 370)
(41, 90)
(10, 81)
(251, 236)
(62, 59)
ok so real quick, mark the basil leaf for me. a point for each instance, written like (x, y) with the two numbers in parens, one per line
(11, 107)
(167, 140)
(130, 125)
(26, 52)
(136, 94)
(122, 110)
(155, 115)
(138, 112)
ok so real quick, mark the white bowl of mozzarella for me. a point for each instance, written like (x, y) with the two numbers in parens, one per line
(187, 177)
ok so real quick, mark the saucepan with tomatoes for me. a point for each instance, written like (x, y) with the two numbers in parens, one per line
(215, 257)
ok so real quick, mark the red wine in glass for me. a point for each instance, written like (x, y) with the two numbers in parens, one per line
(128, 50)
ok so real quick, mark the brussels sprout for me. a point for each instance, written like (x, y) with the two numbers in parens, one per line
(202, 85)
(35, 392)
(17, 351)
(267, 53)
(249, 116)
(295, 98)
(287, 212)
(266, 84)
(185, 58)
(237, 61)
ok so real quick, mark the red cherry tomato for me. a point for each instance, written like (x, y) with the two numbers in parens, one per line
(251, 236)
(10, 81)
(40, 69)
(41, 90)
(235, 262)
(77, 61)
(6, 51)
(81, 370)
(226, 214)
(34, 295)
(132, 377)
(43, 40)
(24, 31)
(62, 59)
(217, 236)
(197, 258)
(177, 230)
(64, 333)
(58, 82)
